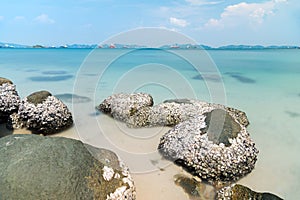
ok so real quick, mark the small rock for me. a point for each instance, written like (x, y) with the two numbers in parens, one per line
(131, 103)
(41, 167)
(240, 192)
(41, 113)
(9, 99)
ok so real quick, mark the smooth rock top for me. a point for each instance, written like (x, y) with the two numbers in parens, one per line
(240, 192)
(41, 113)
(5, 80)
(38, 97)
(38, 167)
(9, 99)
(220, 126)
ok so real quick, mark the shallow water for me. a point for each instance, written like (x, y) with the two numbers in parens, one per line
(263, 83)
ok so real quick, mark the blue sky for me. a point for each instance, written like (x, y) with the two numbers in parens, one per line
(214, 23)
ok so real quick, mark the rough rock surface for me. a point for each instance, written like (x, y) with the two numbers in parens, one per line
(41, 113)
(209, 140)
(137, 110)
(9, 99)
(240, 192)
(204, 154)
(41, 167)
(123, 106)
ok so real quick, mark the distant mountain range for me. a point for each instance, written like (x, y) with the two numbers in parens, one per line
(173, 46)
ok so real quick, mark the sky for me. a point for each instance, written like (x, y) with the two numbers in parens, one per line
(214, 23)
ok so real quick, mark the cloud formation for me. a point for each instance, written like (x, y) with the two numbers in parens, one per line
(244, 13)
(44, 19)
(178, 22)
(18, 18)
(1, 18)
(202, 2)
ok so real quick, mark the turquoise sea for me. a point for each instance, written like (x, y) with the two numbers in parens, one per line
(263, 83)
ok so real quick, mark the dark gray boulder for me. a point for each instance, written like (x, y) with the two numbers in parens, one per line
(9, 99)
(41, 167)
(41, 113)
(240, 192)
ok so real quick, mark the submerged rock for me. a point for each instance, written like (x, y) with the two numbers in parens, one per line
(195, 189)
(38, 167)
(237, 192)
(41, 113)
(209, 140)
(72, 98)
(9, 99)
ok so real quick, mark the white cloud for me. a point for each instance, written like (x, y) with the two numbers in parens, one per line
(17, 18)
(44, 19)
(87, 26)
(202, 2)
(178, 22)
(1, 18)
(244, 13)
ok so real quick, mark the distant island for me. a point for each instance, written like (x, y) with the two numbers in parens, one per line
(169, 46)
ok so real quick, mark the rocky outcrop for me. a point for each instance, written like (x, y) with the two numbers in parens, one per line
(209, 140)
(238, 192)
(41, 113)
(9, 99)
(41, 167)
(137, 110)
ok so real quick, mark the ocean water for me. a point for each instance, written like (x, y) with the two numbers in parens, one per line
(263, 83)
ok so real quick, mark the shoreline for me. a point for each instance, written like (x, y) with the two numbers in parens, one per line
(160, 183)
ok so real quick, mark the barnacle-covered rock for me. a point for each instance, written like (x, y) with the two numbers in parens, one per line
(41, 113)
(41, 167)
(209, 140)
(137, 110)
(213, 146)
(9, 99)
